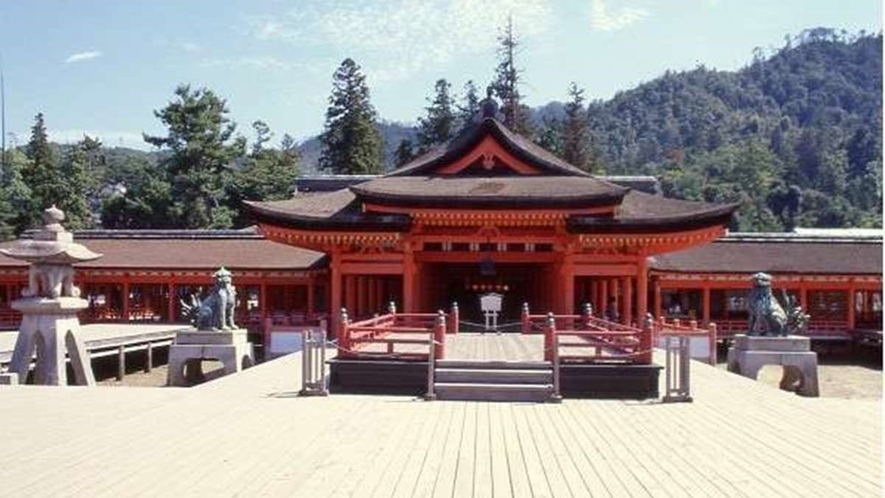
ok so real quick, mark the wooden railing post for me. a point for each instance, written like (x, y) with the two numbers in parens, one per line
(343, 334)
(526, 321)
(439, 336)
(645, 340)
(454, 318)
(714, 342)
(549, 332)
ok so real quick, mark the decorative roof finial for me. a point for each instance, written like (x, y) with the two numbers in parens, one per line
(488, 107)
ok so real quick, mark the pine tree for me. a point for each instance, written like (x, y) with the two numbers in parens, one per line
(404, 153)
(268, 174)
(439, 124)
(79, 183)
(576, 143)
(41, 173)
(469, 106)
(550, 135)
(203, 150)
(508, 79)
(351, 142)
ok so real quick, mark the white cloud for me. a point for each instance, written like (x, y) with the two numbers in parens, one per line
(397, 38)
(83, 56)
(601, 19)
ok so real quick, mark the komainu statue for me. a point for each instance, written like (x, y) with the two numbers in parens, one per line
(767, 317)
(216, 312)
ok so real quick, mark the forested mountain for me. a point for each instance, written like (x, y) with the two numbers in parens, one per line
(795, 137)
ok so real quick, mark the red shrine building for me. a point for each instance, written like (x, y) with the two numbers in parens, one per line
(489, 211)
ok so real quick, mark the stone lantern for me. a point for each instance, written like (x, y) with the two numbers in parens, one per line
(49, 306)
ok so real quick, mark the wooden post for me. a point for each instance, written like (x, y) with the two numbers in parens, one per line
(714, 341)
(121, 363)
(567, 275)
(350, 295)
(334, 290)
(852, 315)
(170, 306)
(603, 299)
(594, 294)
(343, 335)
(549, 332)
(149, 357)
(706, 311)
(657, 309)
(642, 308)
(124, 313)
(310, 297)
(454, 318)
(614, 287)
(371, 297)
(409, 297)
(628, 301)
(524, 318)
(439, 336)
(262, 302)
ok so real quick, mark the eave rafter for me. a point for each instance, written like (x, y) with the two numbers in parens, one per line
(651, 243)
(326, 240)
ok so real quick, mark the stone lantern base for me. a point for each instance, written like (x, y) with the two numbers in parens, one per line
(749, 354)
(50, 328)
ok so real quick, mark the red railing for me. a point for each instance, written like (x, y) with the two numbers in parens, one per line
(816, 328)
(392, 331)
(10, 319)
(609, 342)
(678, 328)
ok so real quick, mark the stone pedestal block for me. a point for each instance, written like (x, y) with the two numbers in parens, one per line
(8, 379)
(50, 328)
(192, 347)
(793, 353)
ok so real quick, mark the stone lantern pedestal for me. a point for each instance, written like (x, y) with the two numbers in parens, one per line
(50, 328)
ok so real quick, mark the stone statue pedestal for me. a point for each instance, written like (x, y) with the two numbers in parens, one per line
(192, 347)
(51, 328)
(749, 354)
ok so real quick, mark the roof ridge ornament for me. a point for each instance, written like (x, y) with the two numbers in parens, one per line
(488, 107)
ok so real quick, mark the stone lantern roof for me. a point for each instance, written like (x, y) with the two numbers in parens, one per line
(51, 245)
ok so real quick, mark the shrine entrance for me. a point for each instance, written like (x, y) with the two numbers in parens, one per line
(465, 283)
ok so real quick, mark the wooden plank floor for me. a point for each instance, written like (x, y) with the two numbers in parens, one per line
(249, 435)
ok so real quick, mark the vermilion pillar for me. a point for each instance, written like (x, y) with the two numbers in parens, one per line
(657, 305)
(706, 310)
(409, 279)
(310, 296)
(125, 310)
(852, 320)
(350, 295)
(335, 286)
(627, 314)
(642, 303)
(603, 298)
(614, 294)
(170, 305)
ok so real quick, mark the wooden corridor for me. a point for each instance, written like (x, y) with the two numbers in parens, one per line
(249, 435)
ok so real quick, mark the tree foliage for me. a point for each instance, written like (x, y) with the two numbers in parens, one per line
(351, 143)
(200, 137)
(507, 82)
(438, 124)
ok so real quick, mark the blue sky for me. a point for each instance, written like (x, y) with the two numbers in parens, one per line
(102, 67)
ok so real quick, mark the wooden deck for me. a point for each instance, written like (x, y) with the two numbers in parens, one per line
(249, 435)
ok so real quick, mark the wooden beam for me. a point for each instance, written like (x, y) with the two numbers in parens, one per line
(706, 310)
(627, 314)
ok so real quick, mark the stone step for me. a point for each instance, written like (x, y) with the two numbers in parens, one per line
(454, 391)
(493, 376)
(494, 364)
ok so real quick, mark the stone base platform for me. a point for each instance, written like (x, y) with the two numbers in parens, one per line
(192, 347)
(749, 354)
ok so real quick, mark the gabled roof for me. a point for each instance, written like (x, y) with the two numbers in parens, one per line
(472, 135)
(512, 192)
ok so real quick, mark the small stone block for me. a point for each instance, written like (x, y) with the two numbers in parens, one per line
(8, 379)
(229, 337)
(788, 344)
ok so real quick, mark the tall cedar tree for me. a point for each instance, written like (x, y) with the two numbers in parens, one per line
(203, 149)
(508, 79)
(469, 106)
(51, 182)
(576, 145)
(351, 142)
(439, 124)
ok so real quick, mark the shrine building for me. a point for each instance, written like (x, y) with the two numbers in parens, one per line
(489, 211)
